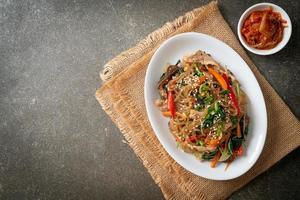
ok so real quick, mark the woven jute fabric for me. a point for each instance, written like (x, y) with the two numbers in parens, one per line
(122, 97)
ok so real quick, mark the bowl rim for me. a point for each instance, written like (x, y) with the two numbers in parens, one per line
(277, 48)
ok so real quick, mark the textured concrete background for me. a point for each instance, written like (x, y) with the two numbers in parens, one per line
(56, 142)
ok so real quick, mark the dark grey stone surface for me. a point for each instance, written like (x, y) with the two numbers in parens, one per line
(56, 142)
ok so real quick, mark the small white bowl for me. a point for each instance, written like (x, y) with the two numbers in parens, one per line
(286, 33)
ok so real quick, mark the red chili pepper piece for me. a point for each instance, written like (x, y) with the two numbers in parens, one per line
(193, 138)
(232, 95)
(202, 68)
(234, 100)
(239, 151)
(171, 104)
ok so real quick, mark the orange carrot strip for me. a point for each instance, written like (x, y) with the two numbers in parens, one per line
(215, 160)
(219, 78)
(202, 79)
(238, 130)
(214, 143)
(167, 114)
(230, 161)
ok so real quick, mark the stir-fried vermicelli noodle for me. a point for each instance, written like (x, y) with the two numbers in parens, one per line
(206, 107)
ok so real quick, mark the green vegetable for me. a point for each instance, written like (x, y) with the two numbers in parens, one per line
(214, 114)
(217, 105)
(236, 142)
(198, 96)
(225, 155)
(198, 106)
(200, 103)
(198, 72)
(234, 120)
(208, 99)
(200, 143)
(209, 156)
(219, 115)
(224, 92)
(207, 123)
(204, 87)
(211, 110)
(219, 130)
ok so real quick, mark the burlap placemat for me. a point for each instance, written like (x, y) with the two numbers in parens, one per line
(122, 97)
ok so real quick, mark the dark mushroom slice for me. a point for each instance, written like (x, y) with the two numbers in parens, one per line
(171, 70)
(244, 124)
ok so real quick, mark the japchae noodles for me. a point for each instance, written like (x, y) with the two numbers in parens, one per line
(206, 107)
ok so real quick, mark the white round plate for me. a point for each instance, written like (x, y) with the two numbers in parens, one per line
(174, 49)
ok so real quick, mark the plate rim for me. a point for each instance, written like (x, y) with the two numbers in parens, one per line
(148, 107)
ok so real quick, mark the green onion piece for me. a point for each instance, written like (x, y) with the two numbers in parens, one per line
(200, 143)
(224, 92)
(204, 88)
(217, 106)
(197, 71)
(234, 120)
(236, 142)
(210, 110)
(219, 130)
(198, 106)
(208, 99)
(209, 156)
(207, 123)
